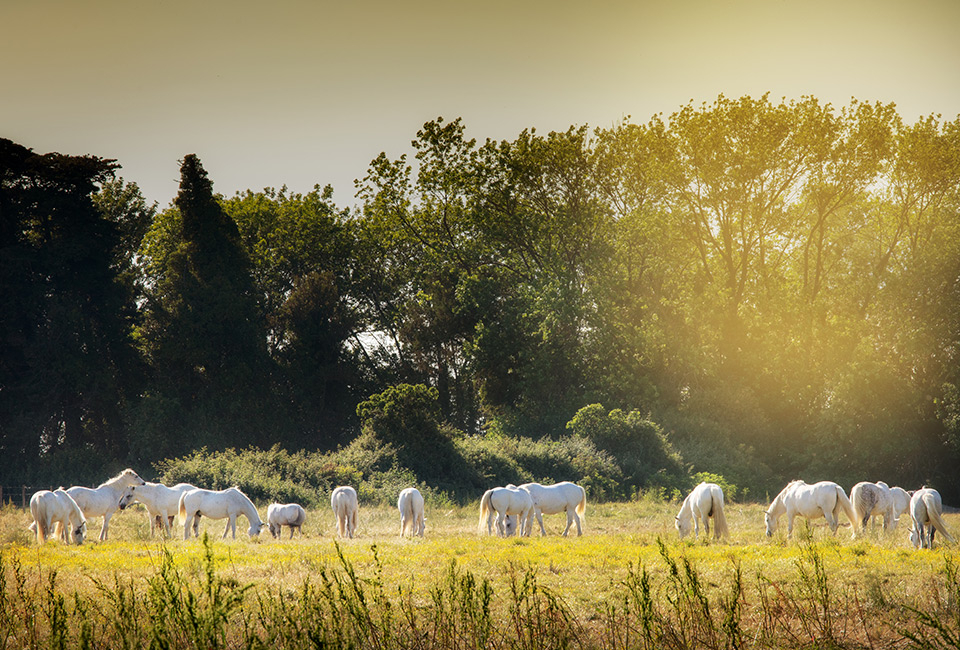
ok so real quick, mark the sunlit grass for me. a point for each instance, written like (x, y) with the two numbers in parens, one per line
(879, 572)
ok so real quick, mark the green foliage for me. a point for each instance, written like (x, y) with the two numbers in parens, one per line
(639, 446)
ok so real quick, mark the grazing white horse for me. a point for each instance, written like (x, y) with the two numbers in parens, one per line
(553, 499)
(105, 499)
(410, 505)
(162, 503)
(345, 505)
(223, 504)
(873, 500)
(901, 502)
(57, 509)
(505, 501)
(824, 499)
(703, 502)
(291, 514)
(926, 509)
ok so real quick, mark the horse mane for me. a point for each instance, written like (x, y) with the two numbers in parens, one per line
(111, 481)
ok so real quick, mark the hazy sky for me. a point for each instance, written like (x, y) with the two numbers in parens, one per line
(305, 92)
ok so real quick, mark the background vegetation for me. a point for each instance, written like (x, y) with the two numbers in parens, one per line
(758, 290)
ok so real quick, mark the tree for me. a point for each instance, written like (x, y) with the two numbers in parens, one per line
(67, 365)
(203, 330)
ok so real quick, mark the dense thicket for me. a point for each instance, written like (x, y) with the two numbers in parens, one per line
(775, 286)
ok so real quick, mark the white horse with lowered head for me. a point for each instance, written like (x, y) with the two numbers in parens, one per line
(873, 500)
(901, 501)
(824, 499)
(58, 510)
(218, 504)
(292, 515)
(107, 498)
(345, 505)
(565, 497)
(504, 501)
(410, 505)
(162, 503)
(703, 502)
(926, 511)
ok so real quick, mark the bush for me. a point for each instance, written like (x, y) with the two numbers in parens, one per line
(646, 457)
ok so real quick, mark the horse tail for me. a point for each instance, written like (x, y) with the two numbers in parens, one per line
(40, 520)
(182, 510)
(720, 528)
(485, 510)
(582, 505)
(933, 514)
(843, 503)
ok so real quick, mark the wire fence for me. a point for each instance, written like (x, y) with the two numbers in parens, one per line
(19, 495)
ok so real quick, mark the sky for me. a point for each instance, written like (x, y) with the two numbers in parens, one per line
(308, 92)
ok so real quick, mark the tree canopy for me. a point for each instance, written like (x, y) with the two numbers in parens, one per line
(757, 290)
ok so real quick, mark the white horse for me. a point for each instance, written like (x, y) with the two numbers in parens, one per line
(824, 499)
(505, 501)
(901, 502)
(410, 505)
(703, 502)
(57, 509)
(162, 503)
(105, 499)
(223, 504)
(926, 509)
(873, 500)
(291, 514)
(553, 499)
(345, 505)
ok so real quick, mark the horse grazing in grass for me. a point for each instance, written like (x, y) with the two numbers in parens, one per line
(162, 503)
(105, 499)
(504, 501)
(703, 502)
(553, 499)
(410, 505)
(223, 504)
(345, 505)
(873, 500)
(291, 514)
(57, 509)
(824, 499)
(926, 509)
(901, 502)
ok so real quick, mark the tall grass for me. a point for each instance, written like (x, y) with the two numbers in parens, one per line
(664, 603)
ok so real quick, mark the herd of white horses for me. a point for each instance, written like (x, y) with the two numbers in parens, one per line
(504, 510)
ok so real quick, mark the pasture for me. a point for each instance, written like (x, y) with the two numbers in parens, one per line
(628, 582)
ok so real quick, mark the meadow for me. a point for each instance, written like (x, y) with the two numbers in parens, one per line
(628, 582)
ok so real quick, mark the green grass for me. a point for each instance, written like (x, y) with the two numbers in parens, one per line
(628, 582)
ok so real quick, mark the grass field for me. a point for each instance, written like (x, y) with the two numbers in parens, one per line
(628, 582)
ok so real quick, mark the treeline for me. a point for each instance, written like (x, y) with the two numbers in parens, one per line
(775, 286)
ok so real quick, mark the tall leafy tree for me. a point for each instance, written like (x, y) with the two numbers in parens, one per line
(67, 364)
(203, 330)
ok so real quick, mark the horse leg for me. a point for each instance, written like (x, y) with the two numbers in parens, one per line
(539, 514)
(501, 531)
(706, 525)
(576, 518)
(186, 526)
(790, 517)
(832, 521)
(569, 522)
(103, 529)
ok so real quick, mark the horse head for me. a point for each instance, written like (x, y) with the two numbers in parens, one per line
(256, 528)
(771, 523)
(79, 533)
(127, 497)
(683, 525)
